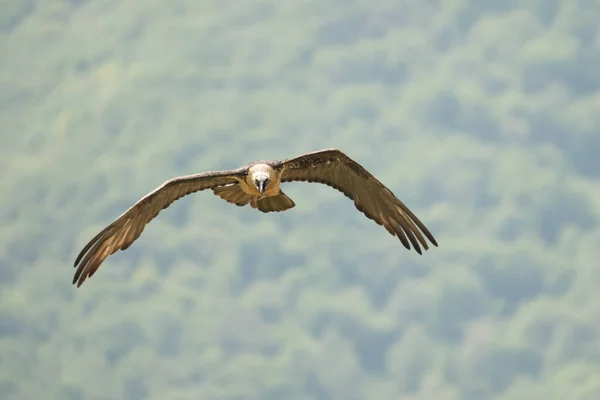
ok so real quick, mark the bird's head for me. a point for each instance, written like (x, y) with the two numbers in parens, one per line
(261, 175)
(261, 181)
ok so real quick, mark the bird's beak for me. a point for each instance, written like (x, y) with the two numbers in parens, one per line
(261, 187)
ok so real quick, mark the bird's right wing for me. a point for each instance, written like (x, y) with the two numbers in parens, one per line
(124, 230)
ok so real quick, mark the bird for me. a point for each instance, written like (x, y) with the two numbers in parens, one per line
(259, 184)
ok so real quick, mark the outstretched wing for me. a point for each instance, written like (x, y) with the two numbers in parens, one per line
(124, 230)
(334, 168)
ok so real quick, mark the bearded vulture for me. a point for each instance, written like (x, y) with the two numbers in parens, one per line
(258, 184)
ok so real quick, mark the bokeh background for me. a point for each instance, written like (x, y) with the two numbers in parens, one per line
(483, 116)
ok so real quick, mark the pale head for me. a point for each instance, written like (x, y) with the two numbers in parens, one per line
(260, 175)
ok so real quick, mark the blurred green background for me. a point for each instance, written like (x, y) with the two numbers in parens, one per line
(483, 116)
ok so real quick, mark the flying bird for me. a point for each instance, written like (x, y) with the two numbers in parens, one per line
(258, 184)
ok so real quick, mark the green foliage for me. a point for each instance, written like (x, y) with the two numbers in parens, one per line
(483, 116)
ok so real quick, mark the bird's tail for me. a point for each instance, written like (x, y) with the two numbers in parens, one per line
(281, 202)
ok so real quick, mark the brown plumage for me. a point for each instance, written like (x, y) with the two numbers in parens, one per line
(257, 184)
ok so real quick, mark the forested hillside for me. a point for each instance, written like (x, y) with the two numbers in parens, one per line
(483, 116)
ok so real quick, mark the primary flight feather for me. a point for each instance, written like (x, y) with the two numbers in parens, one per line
(258, 184)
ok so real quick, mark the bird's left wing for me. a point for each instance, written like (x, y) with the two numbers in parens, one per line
(124, 230)
(334, 168)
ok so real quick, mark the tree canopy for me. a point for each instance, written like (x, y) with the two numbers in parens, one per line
(482, 116)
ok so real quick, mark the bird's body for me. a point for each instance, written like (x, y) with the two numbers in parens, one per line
(259, 184)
